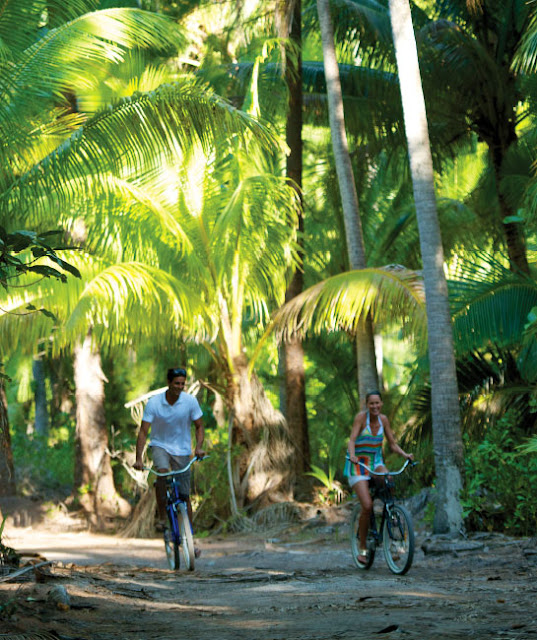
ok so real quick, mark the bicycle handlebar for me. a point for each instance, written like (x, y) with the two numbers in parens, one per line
(174, 473)
(390, 473)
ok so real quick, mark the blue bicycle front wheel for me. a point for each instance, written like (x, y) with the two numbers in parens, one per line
(187, 539)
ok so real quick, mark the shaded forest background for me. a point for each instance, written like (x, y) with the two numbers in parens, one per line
(169, 197)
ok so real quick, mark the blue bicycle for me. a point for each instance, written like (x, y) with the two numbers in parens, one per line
(178, 537)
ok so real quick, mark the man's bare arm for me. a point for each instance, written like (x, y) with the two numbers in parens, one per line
(200, 437)
(140, 444)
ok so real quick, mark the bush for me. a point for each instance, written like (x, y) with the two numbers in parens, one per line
(44, 463)
(500, 481)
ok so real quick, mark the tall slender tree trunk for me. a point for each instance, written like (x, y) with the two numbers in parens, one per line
(93, 472)
(40, 396)
(7, 471)
(367, 370)
(447, 441)
(514, 235)
(293, 405)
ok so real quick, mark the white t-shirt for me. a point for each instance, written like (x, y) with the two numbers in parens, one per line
(170, 424)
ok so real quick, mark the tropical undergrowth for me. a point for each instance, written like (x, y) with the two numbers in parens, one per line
(500, 481)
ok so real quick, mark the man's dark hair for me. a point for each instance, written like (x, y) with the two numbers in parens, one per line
(173, 373)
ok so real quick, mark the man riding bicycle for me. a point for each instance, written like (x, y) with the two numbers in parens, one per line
(170, 416)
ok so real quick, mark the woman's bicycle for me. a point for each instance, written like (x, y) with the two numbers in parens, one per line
(178, 537)
(395, 532)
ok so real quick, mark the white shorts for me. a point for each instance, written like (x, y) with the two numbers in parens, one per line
(354, 479)
(164, 460)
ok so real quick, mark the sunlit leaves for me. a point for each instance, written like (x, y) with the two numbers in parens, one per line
(390, 294)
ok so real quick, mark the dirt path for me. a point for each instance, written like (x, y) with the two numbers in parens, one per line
(291, 583)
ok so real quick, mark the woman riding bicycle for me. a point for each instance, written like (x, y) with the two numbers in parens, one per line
(365, 450)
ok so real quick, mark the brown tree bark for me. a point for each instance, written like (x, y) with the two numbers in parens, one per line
(294, 397)
(514, 234)
(263, 472)
(42, 420)
(94, 479)
(7, 471)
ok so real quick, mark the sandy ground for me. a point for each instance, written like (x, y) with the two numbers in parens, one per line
(294, 581)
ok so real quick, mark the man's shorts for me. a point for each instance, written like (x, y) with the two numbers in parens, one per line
(164, 460)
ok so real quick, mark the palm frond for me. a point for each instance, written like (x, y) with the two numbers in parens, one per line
(363, 21)
(22, 20)
(340, 302)
(67, 55)
(130, 300)
(120, 302)
(133, 136)
(526, 56)
(490, 305)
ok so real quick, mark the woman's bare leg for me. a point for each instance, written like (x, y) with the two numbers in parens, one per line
(361, 489)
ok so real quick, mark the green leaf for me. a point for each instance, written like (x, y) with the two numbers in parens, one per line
(514, 219)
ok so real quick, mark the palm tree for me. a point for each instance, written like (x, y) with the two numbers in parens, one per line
(475, 52)
(217, 241)
(234, 33)
(292, 352)
(58, 160)
(476, 60)
(445, 400)
(367, 371)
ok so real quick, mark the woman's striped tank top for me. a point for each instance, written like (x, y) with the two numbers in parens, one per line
(368, 450)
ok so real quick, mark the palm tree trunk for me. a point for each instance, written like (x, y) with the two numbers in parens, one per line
(514, 236)
(40, 397)
(367, 370)
(7, 472)
(447, 439)
(93, 472)
(263, 472)
(292, 352)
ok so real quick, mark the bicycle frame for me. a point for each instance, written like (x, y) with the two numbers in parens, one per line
(391, 530)
(387, 503)
(384, 492)
(177, 510)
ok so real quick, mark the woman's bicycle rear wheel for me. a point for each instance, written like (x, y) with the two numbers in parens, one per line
(355, 541)
(171, 544)
(398, 539)
(187, 539)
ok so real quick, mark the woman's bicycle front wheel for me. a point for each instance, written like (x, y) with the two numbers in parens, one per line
(355, 541)
(398, 539)
(171, 544)
(187, 539)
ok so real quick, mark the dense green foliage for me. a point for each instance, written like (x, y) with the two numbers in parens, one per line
(177, 203)
(500, 481)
